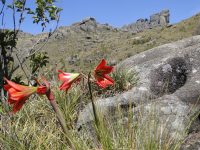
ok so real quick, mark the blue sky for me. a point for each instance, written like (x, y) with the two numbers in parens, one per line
(114, 12)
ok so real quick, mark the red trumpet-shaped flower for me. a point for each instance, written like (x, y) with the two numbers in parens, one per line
(100, 74)
(18, 94)
(68, 79)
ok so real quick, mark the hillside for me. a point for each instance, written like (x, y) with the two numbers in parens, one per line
(153, 103)
(86, 42)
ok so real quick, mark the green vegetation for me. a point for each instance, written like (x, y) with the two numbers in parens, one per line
(36, 127)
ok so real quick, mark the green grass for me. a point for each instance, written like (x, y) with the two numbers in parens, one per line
(36, 126)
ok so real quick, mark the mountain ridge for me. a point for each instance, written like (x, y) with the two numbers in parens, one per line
(84, 43)
(89, 23)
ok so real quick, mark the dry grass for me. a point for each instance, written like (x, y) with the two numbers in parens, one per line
(36, 127)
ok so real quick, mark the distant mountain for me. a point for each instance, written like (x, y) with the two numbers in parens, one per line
(84, 43)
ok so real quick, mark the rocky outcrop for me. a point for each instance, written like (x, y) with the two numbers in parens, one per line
(89, 25)
(86, 26)
(192, 142)
(169, 84)
(156, 20)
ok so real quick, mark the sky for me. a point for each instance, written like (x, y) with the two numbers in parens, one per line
(114, 12)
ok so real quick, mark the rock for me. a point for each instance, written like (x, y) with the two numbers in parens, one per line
(165, 14)
(112, 62)
(90, 25)
(160, 19)
(192, 142)
(169, 81)
(169, 77)
(171, 113)
(59, 35)
(156, 20)
(73, 59)
(87, 27)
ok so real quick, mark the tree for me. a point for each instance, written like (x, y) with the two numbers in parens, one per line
(45, 11)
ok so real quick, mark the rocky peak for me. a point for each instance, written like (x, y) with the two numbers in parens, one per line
(160, 19)
(156, 20)
(88, 25)
(88, 20)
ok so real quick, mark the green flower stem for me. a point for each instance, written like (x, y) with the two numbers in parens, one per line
(62, 122)
(97, 122)
(91, 98)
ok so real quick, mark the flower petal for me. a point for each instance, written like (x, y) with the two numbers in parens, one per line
(7, 87)
(18, 105)
(11, 91)
(65, 86)
(100, 74)
(109, 79)
(68, 79)
(15, 86)
(41, 89)
(101, 64)
(22, 95)
(104, 83)
(106, 69)
(64, 76)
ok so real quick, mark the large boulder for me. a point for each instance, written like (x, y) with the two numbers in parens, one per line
(169, 81)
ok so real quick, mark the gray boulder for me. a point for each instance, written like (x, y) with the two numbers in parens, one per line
(169, 81)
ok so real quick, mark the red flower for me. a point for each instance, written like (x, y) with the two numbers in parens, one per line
(100, 74)
(18, 94)
(68, 79)
(44, 88)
